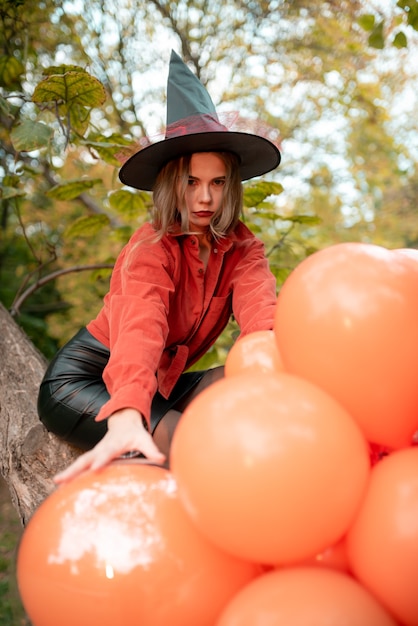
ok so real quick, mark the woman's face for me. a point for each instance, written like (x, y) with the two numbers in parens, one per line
(204, 191)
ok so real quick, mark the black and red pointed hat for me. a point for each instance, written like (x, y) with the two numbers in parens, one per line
(193, 126)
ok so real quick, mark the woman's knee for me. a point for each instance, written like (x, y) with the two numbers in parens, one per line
(164, 432)
(213, 375)
(210, 377)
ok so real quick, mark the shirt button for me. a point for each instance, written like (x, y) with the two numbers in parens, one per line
(215, 250)
(200, 270)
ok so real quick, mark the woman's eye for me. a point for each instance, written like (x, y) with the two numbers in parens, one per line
(191, 181)
(218, 182)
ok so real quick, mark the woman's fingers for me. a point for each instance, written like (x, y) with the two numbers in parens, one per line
(113, 448)
(115, 443)
(150, 450)
(96, 459)
(77, 467)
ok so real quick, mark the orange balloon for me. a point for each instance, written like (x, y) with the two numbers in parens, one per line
(269, 467)
(334, 556)
(300, 596)
(256, 352)
(382, 544)
(346, 319)
(411, 252)
(116, 548)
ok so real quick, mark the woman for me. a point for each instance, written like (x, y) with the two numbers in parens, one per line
(120, 384)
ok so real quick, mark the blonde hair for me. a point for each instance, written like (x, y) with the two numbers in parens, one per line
(170, 212)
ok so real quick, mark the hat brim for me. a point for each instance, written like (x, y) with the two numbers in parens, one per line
(257, 155)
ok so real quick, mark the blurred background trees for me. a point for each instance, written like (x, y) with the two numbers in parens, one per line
(81, 81)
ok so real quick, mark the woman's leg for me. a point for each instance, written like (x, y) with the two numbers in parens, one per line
(72, 391)
(164, 431)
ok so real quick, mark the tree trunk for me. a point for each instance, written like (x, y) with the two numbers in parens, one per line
(29, 455)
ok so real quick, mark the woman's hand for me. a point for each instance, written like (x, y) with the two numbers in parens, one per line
(125, 433)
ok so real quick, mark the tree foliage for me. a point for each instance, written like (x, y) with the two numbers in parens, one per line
(82, 82)
(394, 29)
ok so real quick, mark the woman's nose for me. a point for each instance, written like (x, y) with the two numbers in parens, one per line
(205, 195)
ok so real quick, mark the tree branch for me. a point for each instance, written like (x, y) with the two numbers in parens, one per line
(15, 308)
(29, 455)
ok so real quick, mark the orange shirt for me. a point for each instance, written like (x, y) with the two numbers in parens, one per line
(163, 310)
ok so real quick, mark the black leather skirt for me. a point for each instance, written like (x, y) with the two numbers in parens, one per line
(72, 392)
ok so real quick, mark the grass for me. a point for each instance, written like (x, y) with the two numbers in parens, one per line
(11, 609)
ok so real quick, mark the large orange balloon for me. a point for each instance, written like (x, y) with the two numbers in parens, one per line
(302, 596)
(382, 544)
(256, 352)
(411, 252)
(115, 548)
(269, 467)
(346, 319)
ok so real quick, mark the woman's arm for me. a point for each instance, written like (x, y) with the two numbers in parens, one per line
(254, 289)
(136, 311)
(135, 318)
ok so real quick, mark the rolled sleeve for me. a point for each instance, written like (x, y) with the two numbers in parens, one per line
(254, 290)
(137, 310)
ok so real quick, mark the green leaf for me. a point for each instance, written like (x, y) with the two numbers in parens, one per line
(11, 180)
(400, 40)
(6, 109)
(255, 193)
(413, 16)
(366, 21)
(72, 189)
(107, 153)
(107, 147)
(62, 69)
(87, 226)
(128, 203)
(310, 220)
(255, 228)
(72, 93)
(410, 7)
(77, 116)
(268, 215)
(74, 87)
(376, 39)
(10, 70)
(29, 136)
(10, 192)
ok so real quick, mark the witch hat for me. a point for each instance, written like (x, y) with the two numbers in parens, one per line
(193, 126)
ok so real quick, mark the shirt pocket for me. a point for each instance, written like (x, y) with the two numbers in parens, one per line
(218, 312)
